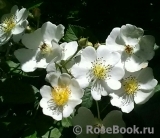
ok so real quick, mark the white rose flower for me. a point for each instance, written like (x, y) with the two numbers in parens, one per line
(136, 87)
(14, 24)
(98, 69)
(42, 47)
(85, 118)
(135, 48)
(68, 50)
(60, 99)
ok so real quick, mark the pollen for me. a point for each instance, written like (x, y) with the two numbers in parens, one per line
(61, 95)
(99, 69)
(8, 24)
(45, 49)
(129, 49)
(130, 85)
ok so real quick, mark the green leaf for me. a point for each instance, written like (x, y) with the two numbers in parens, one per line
(34, 135)
(55, 133)
(66, 122)
(17, 92)
(87, 99)
(73, 33)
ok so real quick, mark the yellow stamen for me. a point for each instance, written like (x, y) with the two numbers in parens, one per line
(100, 70)
(130, 85)
(61, 95)
(8, 24)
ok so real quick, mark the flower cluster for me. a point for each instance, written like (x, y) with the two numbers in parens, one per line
(118, 68)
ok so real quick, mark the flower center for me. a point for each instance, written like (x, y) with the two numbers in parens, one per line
(129, 49)
(45, 49)
(8, 24)
(130, 85)
(99, 69)
(61, 95)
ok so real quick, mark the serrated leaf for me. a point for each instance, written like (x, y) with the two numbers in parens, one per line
(73, 33)
(66, 122)
(87, 98)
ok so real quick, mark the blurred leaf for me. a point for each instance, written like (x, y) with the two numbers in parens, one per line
(87, 99)
(55, 133)
(34, 135)
(66, 122)
(73, 33)
(17, 92)
(35, 5)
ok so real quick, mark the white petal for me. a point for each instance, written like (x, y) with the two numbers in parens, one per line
(43, 103)
(46, 92)
(52, 32)
(113, 84)
(116, 100)
(27, 59)
(113, 41)
(57, 52)
(89, 53)
(130, 34)
(67, 111)
(52, 78)
(79, 70)
(95, 93)
(146, 79)
(142, 97)
(4, 38)
(127, 108)
(22, 15)
(112, 58)
(134, 63)
(146, 47)
(42, 63)
(18, 29)
(54, 114)
(83, 82)
(32, 40)
(73, 103)
(103, 51)
(76, 91)
(52, 67)
(64, 80)
(117, 72)
(70, 49)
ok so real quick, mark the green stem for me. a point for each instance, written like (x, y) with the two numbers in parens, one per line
(98, 110)
(70, 58)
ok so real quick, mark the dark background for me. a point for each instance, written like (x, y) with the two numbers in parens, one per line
(100, 17)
